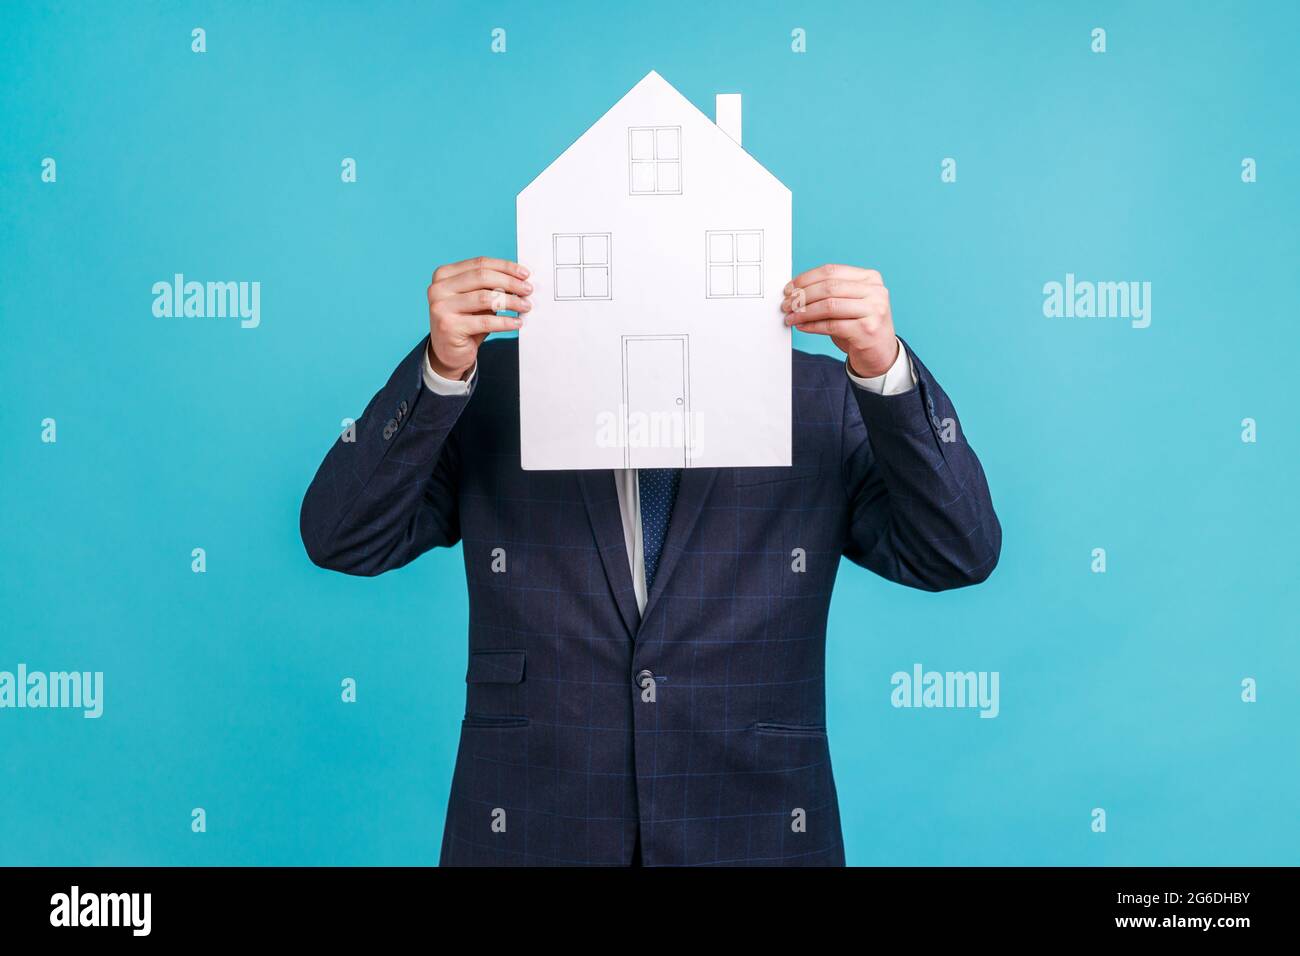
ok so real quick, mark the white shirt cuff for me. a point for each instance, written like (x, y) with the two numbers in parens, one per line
(900, 377)
(446, 386)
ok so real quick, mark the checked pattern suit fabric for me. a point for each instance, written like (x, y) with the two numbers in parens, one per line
(557, 733)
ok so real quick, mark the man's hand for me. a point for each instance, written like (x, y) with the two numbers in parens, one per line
(464, 299)
(851, 305)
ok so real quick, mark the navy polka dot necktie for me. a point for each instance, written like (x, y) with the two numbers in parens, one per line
(657, 490)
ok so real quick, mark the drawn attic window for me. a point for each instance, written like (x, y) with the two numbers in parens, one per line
(582, 265)
(734, 264)
(654, 160)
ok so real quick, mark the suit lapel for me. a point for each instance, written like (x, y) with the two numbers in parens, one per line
(695, 487)
(601, 498)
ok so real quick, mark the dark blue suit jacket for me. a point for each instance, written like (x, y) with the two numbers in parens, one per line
(562, 758)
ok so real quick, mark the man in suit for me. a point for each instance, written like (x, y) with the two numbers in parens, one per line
(646, 679)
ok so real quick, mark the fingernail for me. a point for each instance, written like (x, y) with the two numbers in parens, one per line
(789, 287)
(528, 287)
(523, 272)
(519, 320)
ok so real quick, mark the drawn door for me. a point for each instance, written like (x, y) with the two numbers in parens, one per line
(656, 400)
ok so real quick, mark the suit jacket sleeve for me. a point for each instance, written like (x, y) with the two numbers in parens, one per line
(382, 500)
(920, 511)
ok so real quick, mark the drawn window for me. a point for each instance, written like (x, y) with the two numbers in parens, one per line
(654, 160)
(582, 265)
(734, 264)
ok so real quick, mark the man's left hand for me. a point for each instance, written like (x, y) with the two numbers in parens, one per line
(851, 305)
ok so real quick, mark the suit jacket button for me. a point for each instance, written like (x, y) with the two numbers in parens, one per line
(646, 681)
(403, 408)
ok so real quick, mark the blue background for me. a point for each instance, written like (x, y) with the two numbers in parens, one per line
(1118, 690)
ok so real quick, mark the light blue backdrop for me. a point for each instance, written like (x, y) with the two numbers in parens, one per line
(1119, 690)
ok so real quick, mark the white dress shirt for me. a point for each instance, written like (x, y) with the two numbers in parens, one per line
(901, 377)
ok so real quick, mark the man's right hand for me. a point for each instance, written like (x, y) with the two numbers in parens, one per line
(464, 299)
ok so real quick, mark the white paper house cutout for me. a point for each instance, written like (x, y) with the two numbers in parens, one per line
(659, 250)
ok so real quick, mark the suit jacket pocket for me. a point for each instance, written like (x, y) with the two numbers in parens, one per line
(791, 730)
(764, 476)
(495, 689)
(495, 667)
(481, 722)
